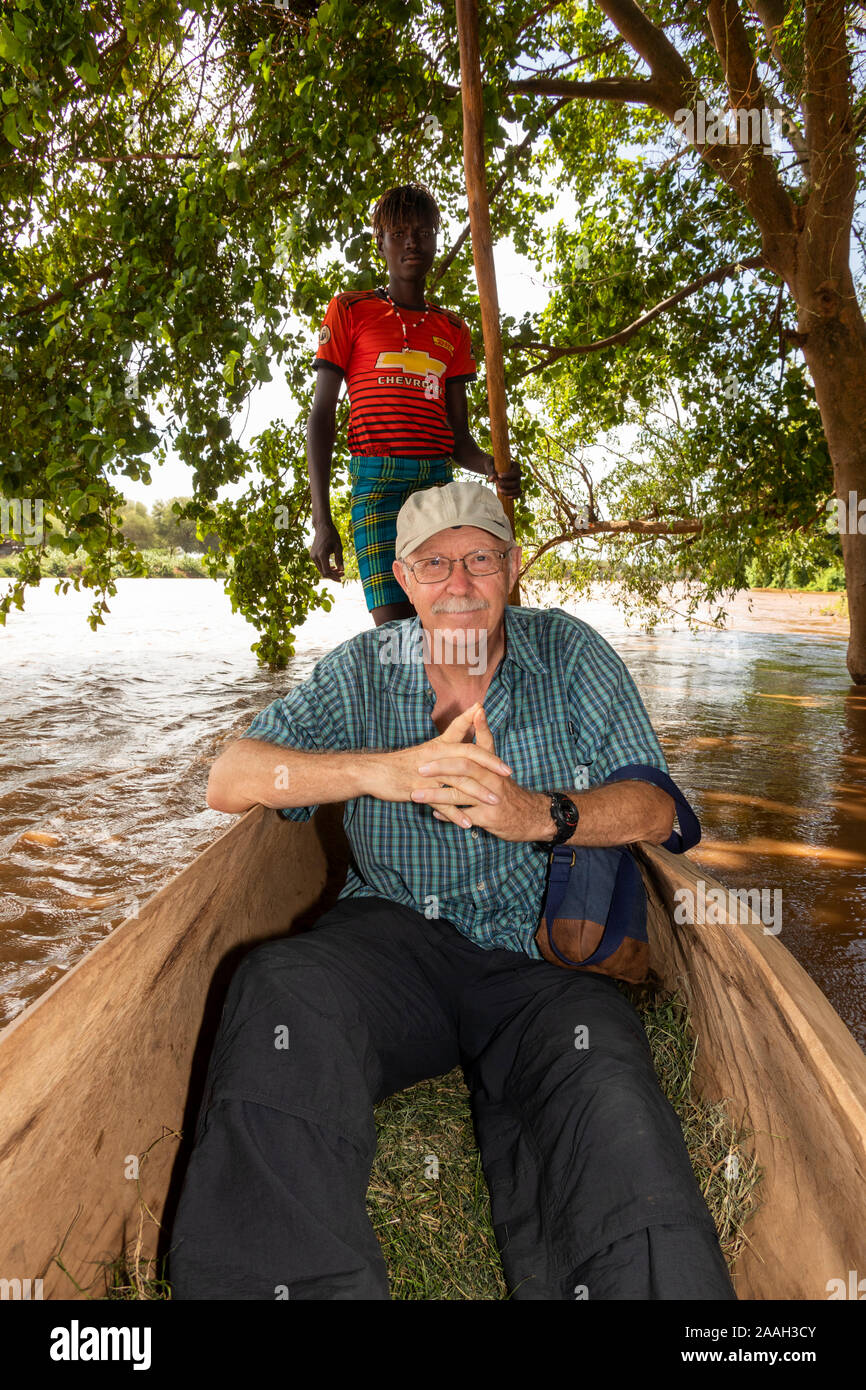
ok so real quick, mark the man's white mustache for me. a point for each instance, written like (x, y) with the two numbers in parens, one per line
(456, 604)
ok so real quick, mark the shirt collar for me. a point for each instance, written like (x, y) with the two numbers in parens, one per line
(519, 647)
(409, 675)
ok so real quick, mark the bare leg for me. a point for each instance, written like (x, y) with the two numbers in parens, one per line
(388, 611)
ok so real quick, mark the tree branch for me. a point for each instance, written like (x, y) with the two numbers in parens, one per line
(537, 14)
(624, 334)
(740, 65)
(643, 526)
(613, 46)
(830, 135)
(141, 154)
(671, 88)
(771, 13)
(738, 61)
(639, 527)
(797, 142)
(754, 178)
(669, 69)
(55, 298)
(641, 90)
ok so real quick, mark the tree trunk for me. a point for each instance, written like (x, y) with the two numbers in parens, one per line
(834, 346)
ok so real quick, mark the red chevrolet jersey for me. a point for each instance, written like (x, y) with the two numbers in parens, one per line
(396, 397)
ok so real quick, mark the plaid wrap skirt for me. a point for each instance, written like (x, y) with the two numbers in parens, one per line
(380, 486)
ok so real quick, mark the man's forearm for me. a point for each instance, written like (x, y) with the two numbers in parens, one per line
(467, 453)
(252, 772)
(618, 814)
(321, 432)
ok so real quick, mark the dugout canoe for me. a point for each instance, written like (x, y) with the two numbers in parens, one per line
(107, 1065)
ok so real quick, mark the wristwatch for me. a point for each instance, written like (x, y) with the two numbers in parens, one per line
(565, 816)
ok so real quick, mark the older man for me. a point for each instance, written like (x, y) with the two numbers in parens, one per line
(429, 960)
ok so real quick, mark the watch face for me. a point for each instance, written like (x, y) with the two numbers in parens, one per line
(567, 810)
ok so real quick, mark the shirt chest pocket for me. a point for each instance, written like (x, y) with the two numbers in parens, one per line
(544, 757)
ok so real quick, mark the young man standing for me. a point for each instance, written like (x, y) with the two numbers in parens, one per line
(406, 363)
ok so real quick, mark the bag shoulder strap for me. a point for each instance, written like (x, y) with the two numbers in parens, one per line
(690, 826)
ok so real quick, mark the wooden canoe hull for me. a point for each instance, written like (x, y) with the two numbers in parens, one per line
(771, 1042)
(99, 1068)
(108, 1065)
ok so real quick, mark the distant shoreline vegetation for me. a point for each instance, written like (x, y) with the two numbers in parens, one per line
(159, 564)
(171, 563)
(791, 572)
(168, 546)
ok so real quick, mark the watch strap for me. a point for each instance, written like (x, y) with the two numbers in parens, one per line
(565, 828)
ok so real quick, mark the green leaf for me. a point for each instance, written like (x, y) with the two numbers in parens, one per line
(228, 369)
(59, 467)
(10, 48)
(10, 128)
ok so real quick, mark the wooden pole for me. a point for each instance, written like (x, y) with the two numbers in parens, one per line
(474, 165)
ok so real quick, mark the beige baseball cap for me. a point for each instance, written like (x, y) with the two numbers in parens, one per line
(455, 504)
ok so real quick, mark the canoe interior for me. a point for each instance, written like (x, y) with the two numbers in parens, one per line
(108, 1065)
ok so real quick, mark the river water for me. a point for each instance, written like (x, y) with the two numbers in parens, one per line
(107, 739)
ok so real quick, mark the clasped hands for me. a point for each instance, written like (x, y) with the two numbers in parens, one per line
(467, 784)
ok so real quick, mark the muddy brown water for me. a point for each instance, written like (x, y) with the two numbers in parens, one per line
(107, 738)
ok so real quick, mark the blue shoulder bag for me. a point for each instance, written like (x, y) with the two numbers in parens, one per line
(595, 912)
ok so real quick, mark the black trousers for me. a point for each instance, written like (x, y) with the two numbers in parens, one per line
(592, 1192)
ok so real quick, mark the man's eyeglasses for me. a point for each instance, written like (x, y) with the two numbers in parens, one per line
(438, 567)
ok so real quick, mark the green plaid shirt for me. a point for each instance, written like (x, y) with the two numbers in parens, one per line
(563, 711)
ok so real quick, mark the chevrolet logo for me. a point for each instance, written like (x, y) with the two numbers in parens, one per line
(417, 363)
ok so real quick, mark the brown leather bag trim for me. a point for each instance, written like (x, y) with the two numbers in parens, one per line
(629, 962)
